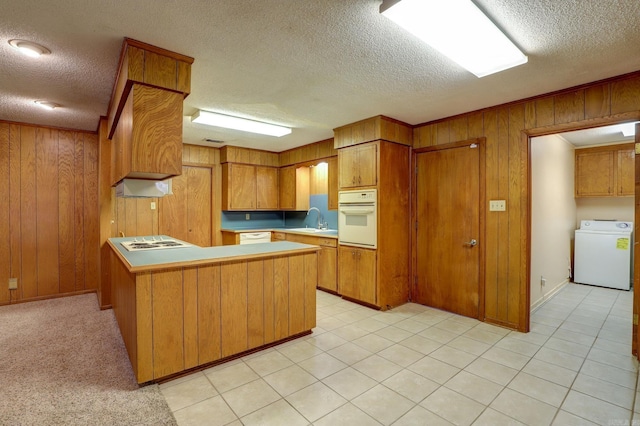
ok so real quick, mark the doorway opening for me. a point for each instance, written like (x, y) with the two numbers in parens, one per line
(558, 206)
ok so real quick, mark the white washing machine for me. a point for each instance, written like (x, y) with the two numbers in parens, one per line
(604, 253)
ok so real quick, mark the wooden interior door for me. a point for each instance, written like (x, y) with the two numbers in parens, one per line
(186, 214)
(448, 215)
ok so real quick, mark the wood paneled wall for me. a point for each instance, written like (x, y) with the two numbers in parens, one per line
(507, 129)
(307, 153)
(49, 226)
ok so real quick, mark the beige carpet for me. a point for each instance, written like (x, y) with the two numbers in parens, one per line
(63, 362)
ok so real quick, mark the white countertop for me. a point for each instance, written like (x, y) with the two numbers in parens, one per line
(194, 255)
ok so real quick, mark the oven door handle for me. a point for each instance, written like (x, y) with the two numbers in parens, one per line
(356, 211)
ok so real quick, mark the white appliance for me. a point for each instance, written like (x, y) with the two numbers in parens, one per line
(153, 243)
(255, 237)
(604, 253)
(357, 218)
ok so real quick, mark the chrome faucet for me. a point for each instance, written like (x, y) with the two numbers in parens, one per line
(319, 216)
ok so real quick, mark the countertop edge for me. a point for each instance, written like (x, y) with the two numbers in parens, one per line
(285, 230)
(209, 261)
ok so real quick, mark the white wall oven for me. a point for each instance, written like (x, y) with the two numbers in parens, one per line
(357, 218)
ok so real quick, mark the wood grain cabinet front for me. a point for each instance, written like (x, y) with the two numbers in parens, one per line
(147, 142)
(605, 171)
(249, 187)
(358, 166)
(357, 274)
(294, 188)
(626, 173)
(327, 259)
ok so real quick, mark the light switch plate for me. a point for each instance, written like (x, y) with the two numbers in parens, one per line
(153, 205)
(497, 205)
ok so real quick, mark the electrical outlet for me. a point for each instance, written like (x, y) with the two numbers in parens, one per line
(153, 205)
(497, 205)
(247, 216)
(13, 283)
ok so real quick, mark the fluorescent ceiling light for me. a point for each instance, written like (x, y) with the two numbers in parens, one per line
(237, 123)
(47, 105)
(628, 129)
(460, 31)
(29, 48)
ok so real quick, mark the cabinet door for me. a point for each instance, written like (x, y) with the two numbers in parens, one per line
(367, 275)
(327, 268)
(368, 165)
(347, 272)
(241, 187)
(266, 187)
(287, 188)
(626, 172)
(333, 183)
(348, 165)
(594, 174)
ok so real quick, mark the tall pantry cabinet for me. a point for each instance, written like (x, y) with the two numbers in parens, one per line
(376, 153)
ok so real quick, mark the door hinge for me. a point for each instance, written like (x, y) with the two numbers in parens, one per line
(635, 319)
(637, 146)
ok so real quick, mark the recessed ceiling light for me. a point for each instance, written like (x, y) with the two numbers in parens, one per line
(29, 48)
(47, 105)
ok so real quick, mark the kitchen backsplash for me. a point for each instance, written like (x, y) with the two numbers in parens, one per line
(257, 220)
(280, 219)
(301, 220)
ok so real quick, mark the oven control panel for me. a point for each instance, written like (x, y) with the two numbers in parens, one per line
(358, 196)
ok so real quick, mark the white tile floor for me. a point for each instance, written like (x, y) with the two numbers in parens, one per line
(415, 365)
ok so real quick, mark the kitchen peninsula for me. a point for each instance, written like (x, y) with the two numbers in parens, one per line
(181, 308)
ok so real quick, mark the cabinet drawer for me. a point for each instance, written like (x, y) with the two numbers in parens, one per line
(316, 241)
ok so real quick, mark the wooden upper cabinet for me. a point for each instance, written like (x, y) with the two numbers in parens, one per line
(358, 166)
(238, 187)
(266, 188)
(626, 173)
(333, 183)
(248, 187)
(294, 188)
(145, 112)
(152, 66)
(147, 142)
(605, 171)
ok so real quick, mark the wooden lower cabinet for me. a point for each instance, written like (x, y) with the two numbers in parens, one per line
(327, 259)
(357, 274)
(172, 320)
(328, 269)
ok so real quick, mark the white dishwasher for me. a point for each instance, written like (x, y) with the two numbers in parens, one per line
(255, 237)
(604, 253)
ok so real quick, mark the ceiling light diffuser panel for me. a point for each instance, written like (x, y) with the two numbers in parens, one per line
(460, 31)
(238, 123)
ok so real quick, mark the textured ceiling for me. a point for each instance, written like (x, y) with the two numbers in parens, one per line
(312, 65)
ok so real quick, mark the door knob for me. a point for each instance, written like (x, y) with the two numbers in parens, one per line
(471, 243)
